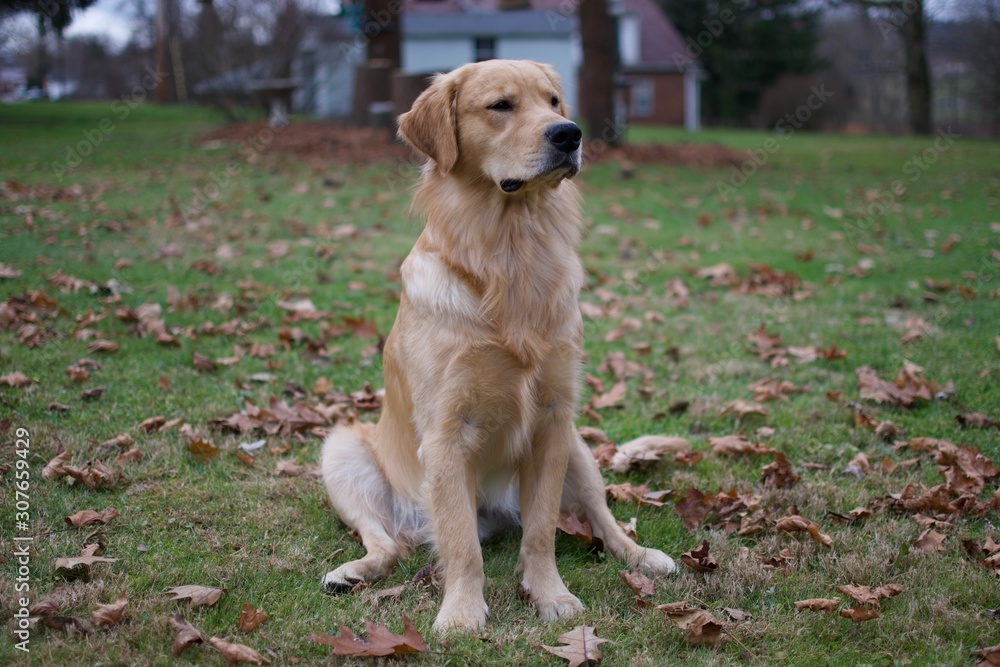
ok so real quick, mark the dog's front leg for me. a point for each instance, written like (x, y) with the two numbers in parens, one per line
(541, 479)
(451, 492)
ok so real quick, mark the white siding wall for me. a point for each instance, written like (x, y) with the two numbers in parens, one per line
(557, 52)
(436, 54)
(443, 54)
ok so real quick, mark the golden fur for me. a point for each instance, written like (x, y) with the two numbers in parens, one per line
(482, 364)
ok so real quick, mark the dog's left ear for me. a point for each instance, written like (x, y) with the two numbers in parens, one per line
(553, 76)
(431, 125)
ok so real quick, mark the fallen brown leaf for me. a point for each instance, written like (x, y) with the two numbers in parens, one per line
(199, 595)
(379, 642)
(641, 585)
(85, 517)
(796, 523)
(930, 541)
(780, 474)
(859, 614)
(700, 625)
(699, 560)
(237, 653)
(185, 634)
(250, 618)
(580, 646)
(818, 604)
(109, 614)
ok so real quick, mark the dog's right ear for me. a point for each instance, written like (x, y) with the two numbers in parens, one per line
(431, 125)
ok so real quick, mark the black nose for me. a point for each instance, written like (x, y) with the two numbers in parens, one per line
(564, 136)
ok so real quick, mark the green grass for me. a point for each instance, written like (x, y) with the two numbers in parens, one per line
(268, 539)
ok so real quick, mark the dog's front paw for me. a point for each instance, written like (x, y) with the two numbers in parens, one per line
(558, 607)
(342, 580)
(552, 605)
(654, 562)
(465, 614)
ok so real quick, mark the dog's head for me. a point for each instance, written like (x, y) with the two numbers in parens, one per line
(504, 120)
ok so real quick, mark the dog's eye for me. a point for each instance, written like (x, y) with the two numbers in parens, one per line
(555, 101)
(501, 105)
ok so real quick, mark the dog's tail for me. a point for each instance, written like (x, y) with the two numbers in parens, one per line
(359, 490)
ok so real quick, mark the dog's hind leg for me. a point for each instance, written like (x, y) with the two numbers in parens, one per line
(583, 491)
(364, 500)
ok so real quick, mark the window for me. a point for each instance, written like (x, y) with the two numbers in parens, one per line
(485, 49)
(642, 98)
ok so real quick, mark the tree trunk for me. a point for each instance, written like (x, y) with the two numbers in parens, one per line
(918, 77)
(597, 30)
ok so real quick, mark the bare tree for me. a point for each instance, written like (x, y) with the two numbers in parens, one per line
(908, 16)
(597, 80)
(981, 19)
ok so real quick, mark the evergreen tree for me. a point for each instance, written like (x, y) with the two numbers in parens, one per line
(744, 46)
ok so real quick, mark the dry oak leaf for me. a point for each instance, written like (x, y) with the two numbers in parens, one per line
(866, 595)
(152, 424)
(103, 346)
(736, 445)
(15, 379)
(581, 646)
(644, 450)
(286, 467)
(109, 614)
(57, 466)
(123, 441)
(930, 541)
(796, 523)
(571, 525)
(976, 420)
(85, 517)
(771, 388)
(79, 566)
(199, 595)
(780, 474)
(612, 398)
(641, 585)
(990, 655)
(859, 614)
(818, 604)
(700, 625)
(379, 642)
(237, 653)
(186, 634)
(202, 450)
(250, 618)
(742, 408)
(699, 560)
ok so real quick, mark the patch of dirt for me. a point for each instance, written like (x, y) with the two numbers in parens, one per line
(347, 144)
(682, 155)
(315, 141)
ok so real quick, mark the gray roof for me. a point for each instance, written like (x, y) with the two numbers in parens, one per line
(489, 24)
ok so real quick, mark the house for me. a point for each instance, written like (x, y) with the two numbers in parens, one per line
(663, 80)
(439, 41)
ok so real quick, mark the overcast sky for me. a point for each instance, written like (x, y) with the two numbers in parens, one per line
(108, 18)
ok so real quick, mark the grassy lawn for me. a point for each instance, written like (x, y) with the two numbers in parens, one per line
(229, 235)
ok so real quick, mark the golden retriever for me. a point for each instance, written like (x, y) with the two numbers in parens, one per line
(482, 365)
